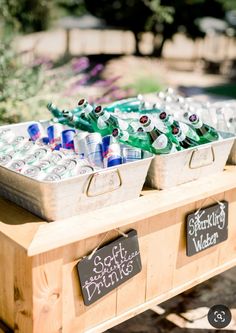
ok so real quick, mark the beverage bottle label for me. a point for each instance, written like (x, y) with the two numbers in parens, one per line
(101, 124)
(161, 142)
(123, 125)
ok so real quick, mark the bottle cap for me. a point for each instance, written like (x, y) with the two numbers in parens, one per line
(98, 110)
(144, 119)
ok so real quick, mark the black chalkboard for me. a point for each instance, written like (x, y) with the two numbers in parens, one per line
(109, 267)
(207, 227)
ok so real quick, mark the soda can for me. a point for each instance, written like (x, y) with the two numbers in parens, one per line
(7, 135)
(56, 157)
(44, 140)
(52, 177)
(83, 167)
(94, 146)
(80, 144)
(19, 142)
(35, 131)
(44, 165)
(111, 151)
(7, 149)
(60, 170)
(41, 153)
(68, 139)
(114, 155)
(27, 148)
(54, 133)
(33, 172)
(31, 159)
(57, 147)
(131, 154)
(5, 160)
(71, 165)
(17, 165)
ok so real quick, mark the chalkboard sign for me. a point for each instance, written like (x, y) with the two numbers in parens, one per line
(109, 267)
(207, 227)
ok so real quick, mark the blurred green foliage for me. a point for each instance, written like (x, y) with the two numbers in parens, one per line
(26, 15)
(17, 83)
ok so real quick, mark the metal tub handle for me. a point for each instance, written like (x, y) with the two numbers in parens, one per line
(195, 151)
(106, 178)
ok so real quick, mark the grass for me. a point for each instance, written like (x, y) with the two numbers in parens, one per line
(227, 90)
(145, 85)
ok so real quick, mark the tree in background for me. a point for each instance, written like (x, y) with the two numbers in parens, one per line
(162, 17)
(26, 15)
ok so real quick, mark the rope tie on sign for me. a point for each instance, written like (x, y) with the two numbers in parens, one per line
(205, 200)
(103, 239)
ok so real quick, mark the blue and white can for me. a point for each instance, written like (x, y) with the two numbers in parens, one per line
(54, 133)
(80, 144)
(35, 132)
(111, 151)
(131, 154)
(68, 139)
(94, 147)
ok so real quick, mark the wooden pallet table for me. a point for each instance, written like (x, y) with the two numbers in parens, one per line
(39, 287)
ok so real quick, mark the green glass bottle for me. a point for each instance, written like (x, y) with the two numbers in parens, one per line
(55, 111)
(130, 139)
(183, 140)
(91, 116)
(107, 121)
(204, 131)
(159, 143)
(75, 121)
(169, 120)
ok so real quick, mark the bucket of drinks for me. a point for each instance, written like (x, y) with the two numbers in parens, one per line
(56, 171)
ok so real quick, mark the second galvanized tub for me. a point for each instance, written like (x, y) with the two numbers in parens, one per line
(190, 164)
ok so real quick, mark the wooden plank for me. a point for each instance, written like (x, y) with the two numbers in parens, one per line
(47, 292)
(84, 226)
(162, 252)
(227, 249)
(23, 292)
(161, 298)
(7, 259)
(17, 223)
(127, 295)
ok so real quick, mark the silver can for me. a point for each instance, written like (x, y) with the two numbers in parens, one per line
(83, 167)
(5, 160)
(41, 153)
(7, 135)
(31, 159)
(71, 166)
(33, 172)
(60, 170)
(56, 157)
(26, 149)
(19, 142)
(131, 154)
(52, 177)
(80, 145)
(7, 149)
(17, 165)
(94, 146)
(44, 165)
